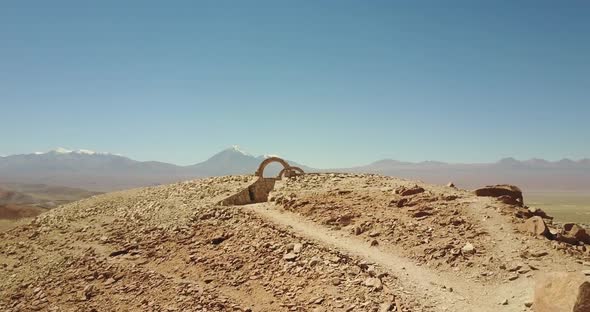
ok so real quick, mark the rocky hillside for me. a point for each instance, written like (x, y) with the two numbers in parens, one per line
(324, 242)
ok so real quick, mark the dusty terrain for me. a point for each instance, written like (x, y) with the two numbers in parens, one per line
(19, 203)
(40, 195)
(324, 242)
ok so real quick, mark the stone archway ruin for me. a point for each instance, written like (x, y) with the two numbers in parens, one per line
(287, 171)
(258, 191)
(290, 172)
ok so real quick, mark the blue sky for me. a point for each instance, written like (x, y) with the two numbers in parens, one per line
(324, 83)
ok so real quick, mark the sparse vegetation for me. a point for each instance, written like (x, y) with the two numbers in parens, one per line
(564, 206)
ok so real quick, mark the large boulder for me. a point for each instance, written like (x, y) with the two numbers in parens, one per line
(539, 212)
(561, 291)
(566, 239)
(403, 191)
(509, 200)
(573, 234)
(527, 212)
(536, 227)
(576, 231)
(499, 190)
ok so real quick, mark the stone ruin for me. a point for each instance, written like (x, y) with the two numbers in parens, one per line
(258, 191)
(288, 171)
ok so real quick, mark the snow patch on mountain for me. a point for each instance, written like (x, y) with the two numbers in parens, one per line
(61, 150)
(65, 151)
(236, 148)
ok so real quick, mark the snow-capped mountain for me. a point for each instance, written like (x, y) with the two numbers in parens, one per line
(106, 171)
(86, 169)
(235, 161)
(63, 151)
(99, 171)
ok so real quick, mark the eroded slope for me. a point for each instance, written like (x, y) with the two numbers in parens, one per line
(173, 248)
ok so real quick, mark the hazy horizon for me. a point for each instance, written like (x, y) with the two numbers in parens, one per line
(242, 150)
(331, 84)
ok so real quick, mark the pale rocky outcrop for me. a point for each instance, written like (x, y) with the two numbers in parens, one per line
(499, 190)
(561, 292)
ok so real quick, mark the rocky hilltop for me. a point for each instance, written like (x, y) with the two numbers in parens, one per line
(322, 242)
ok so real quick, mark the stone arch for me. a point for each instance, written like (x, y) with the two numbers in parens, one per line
(266, 162)
(290, 172)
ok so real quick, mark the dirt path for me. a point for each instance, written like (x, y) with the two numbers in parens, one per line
(506, 246)
(422, 281)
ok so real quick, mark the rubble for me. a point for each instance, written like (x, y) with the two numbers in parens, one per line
(174, 248)
(185, 247)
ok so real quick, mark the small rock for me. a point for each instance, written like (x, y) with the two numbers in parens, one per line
(386, 306)
(318, 300)
(374, 234)
(290, 256)
(110, 281)
(374, 283)
(335, 259)
(88, 291)
(468, 249)
(314, 261)
(411, 191)
(514, 267)
(357, 230)
(539, 254)
(297, 248)
(400, 203)
(218, 240)
(513, 277)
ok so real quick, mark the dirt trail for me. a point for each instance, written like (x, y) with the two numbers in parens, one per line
(323, 243)
(466, 296)
(506, 246)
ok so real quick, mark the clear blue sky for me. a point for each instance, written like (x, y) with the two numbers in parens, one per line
(325, 83)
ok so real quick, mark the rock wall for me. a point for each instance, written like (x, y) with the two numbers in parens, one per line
(257, 192)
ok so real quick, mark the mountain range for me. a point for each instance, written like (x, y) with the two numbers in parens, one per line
(107, 172)
(532, 175)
